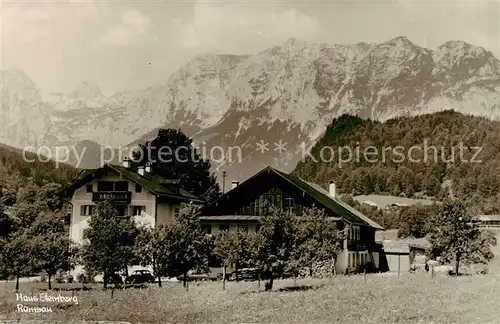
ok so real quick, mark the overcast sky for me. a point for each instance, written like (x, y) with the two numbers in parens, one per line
(131, 44)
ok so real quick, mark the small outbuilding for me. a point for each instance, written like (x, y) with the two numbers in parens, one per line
(404, 255)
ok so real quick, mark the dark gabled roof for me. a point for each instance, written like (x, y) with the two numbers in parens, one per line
(341, 208)
(155, 183)
(320, 195)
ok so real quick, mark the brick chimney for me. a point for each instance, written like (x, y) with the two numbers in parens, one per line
(332, 190)
(126, 162)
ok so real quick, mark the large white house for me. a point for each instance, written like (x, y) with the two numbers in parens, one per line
(141, 194)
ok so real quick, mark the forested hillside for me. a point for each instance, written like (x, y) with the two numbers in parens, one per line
(17, 173)
(398, 164)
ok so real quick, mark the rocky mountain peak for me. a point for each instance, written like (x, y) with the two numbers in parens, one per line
(294, 44)
(16, 83)
(459, 58)
(87, 90)
(401, 41)
(295, 88)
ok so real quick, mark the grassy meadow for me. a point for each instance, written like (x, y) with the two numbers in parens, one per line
(380, 298)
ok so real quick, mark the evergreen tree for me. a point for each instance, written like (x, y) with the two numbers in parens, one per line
(174, 156)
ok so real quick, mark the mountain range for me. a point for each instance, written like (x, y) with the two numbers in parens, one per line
(230, 103)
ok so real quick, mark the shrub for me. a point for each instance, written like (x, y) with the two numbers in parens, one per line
(85, 278)
(81, 278)
(69, 279)
(59, 277)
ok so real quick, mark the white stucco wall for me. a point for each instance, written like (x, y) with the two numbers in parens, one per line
(81, 198)
(161, 213)
(166, 212)
(341, 263)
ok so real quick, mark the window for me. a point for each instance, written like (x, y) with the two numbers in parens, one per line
(349, 260)
(67, 219)
(121, 186)
(224, 227)
(122, 210)
(138, 188)
(89, 188)
(87, 210)
(244, 228)
(137, 210)
(289, 203)
(207, 228)
(105, 186)
(354, 233)
(112, 186)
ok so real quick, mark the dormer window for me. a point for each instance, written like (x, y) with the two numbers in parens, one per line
(112, 186)
(89, 188)
(138, 188)
(105, 186)
(121, 186)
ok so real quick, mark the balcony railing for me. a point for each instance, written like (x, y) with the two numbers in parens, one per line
(115, 196)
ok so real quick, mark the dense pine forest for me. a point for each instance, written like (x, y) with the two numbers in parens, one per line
(462, 160)
(17, 173)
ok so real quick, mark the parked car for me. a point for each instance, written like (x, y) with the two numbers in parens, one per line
(245, 274)
(139, 277)
(195, 275)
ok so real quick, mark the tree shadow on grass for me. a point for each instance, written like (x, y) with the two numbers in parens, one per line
(87, 288)
(300, 288)
(286, 289)
(84, 288)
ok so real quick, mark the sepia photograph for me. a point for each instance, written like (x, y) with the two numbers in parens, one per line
(249, 161)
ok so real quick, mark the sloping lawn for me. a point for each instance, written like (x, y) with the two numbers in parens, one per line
(411, 298)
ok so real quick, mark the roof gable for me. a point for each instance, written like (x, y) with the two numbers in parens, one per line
(154, 183)
(314, 191)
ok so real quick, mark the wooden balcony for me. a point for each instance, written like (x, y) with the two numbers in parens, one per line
(118, 197)
(355, 245)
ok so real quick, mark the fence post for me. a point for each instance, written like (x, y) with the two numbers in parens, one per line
(399, 263)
